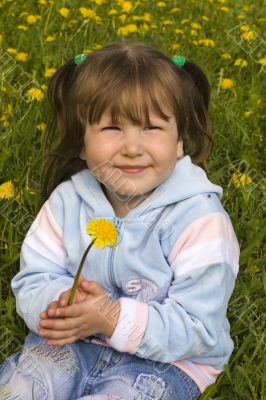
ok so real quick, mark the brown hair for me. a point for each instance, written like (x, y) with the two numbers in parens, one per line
(131, 79)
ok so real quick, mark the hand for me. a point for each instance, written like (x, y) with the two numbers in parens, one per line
(95, 313)
(80, 295)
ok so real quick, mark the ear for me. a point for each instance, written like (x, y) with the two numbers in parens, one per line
(179, 148)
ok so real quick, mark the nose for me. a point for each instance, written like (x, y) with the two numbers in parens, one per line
(133, 143)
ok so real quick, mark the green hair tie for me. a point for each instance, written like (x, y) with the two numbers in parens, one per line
(79, 58)
(179, 61)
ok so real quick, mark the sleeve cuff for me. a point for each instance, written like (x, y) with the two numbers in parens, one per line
(130, 327)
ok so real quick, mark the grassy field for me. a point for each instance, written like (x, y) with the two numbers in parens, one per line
(226, 39)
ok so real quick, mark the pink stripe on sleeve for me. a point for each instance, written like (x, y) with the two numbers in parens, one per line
(49, 226)
(205, 229)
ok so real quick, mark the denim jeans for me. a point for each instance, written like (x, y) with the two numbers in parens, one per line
(84, 370)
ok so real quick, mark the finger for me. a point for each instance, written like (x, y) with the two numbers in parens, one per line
(51, 310)
(63, 298)
(52, 334)
(43, 315)
(62, 342)
(72, 311)
(59, 324)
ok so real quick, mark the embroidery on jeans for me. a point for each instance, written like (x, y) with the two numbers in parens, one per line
(59, 355)
(150, 385)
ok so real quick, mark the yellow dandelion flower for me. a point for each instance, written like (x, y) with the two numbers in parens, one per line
(99, 2)
(50, 38)
(35, 94)
(112, 12)
(72, 22)
(247, 114)
(104, 234)
(240, 62)
(244, 28)
(193, 32)
(32, 19)
(22, 28)
(175, 46)
(7, 190)
(226, 83)
(167, 22)
(41, 126)
(226, 56)
(122, 18)
(44, 87)
(262, 61)
(174, 10)
(64, 12)
(125, 30)
(224, 9)
(185, 21)
(207, 42)
(147, 17)
(10, 50)
(248, 36)
(179, 31)
(238, 180)
(87, 12)
(161, 4)
(127, 6)
(103, 231)
(23, 14)
(241, 17)
(49, 72)
(205, 18)
(42, 2)
(195, 25)
(153, 26)
(145, 26)
(246, 7)
(21, 57)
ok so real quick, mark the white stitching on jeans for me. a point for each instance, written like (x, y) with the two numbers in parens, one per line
(59, 355)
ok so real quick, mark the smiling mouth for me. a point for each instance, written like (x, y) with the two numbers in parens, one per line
(131, 170)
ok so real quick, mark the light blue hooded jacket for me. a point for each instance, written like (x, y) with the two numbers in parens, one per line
(174, 267)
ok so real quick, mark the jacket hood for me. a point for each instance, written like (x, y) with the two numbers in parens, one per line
(186, 180)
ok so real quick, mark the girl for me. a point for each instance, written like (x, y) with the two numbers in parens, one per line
(149, 317)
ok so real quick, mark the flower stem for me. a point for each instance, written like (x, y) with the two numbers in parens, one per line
(74, 287)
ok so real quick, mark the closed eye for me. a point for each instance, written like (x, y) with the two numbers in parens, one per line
(153, 127)
(111, 127)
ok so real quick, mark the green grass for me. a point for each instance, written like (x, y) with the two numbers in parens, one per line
(239, 144)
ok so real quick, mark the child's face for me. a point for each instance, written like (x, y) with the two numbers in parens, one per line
(130, 160)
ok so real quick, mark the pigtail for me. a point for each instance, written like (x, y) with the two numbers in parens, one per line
(198, 139)
(61, 143)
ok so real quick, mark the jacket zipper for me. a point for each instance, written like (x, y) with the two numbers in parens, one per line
(118, 222)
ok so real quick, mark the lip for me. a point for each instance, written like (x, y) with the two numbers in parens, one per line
(131, 169)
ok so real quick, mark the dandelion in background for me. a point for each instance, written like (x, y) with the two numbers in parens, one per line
(7, 190)
(104, 234)
(239, 180)
(35, 94)
(49, 72)
(226, 83)
(240, 62)
(64, 12)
